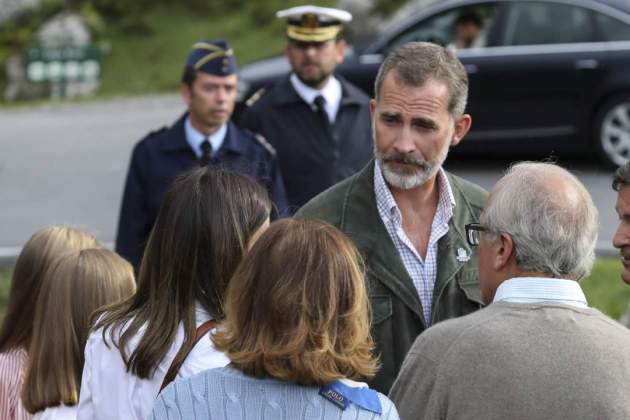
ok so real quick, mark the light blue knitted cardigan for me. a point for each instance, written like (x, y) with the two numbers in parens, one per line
(228, 394)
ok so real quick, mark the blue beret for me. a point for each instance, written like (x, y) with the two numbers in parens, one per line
(212, 57)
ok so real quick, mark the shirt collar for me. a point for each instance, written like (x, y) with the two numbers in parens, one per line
(541, 289)
(195, 138)
(387, 206)
(341, 392)
(331, 92)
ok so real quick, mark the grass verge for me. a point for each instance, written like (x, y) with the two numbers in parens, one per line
(604, 288)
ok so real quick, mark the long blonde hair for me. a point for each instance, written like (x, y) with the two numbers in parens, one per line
(36, 256)
(74, 287)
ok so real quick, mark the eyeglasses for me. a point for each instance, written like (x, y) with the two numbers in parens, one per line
(473, 231)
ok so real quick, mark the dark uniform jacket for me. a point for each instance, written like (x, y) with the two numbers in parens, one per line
(312, 156)
(397, 317)
(162, 155)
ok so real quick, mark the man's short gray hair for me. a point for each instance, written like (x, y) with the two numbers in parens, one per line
(552, 233)
(417, 62)
(622, 176)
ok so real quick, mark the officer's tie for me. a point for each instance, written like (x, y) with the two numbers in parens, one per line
(205, 152)
(320, 105)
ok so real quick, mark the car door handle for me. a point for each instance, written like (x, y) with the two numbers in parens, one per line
(471, 68)
(586, 64)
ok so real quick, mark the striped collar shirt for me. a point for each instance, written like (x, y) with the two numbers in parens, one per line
(422, 272)
(12, 369)
(537, 289)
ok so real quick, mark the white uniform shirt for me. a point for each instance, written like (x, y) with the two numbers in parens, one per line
(109, 392)
(61, 412)
(331, 93)
(195, 138)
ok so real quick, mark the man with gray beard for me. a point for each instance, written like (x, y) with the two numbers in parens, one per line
(405, 214)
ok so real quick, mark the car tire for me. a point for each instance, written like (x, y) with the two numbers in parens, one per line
(612, 131)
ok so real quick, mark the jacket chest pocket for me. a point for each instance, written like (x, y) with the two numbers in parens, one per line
(381, 308)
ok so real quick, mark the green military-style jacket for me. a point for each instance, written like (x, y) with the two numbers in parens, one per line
(397, 317)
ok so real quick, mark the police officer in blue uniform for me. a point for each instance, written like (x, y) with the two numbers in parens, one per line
(203, 135)
(318, 122)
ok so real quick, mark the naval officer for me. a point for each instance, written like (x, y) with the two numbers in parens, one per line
(318, 122)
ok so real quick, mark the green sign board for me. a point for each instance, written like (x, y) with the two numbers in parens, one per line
(66, 64)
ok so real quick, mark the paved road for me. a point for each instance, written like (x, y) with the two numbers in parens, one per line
(67, 163)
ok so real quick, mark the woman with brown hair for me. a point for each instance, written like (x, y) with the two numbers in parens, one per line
(75, 286)
(296, 330)
(207, 219)
(17, 327)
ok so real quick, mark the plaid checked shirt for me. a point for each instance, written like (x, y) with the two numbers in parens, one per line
(423, 273)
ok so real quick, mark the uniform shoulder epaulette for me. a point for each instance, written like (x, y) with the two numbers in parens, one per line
(264, 143)
(255, 97)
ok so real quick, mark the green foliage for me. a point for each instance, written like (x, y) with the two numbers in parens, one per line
(5, 286)
(604, 288)
(387, 7)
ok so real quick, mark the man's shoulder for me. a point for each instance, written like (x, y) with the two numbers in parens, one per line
(443, 336)
(256, 142)
(155, 138)
(353, 91)
(329, 204)
(265, 97)
(474, 194)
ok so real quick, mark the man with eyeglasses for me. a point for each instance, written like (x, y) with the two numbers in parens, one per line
(538, 351)
(318, 122)
(404, 212)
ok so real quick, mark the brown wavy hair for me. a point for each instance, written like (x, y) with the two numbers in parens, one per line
(297, 307)
(75, 285)
(37, 255)
(202, 230)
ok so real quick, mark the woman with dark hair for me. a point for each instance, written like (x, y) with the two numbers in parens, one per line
(17, 326)
(76, 285)
(204, 226)
(297, 332)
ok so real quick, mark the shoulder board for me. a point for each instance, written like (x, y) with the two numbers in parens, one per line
(264, 143)
(255, 97)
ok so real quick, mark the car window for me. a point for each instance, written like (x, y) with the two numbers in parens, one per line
(462, 27)
(532, 23)
(612, 29)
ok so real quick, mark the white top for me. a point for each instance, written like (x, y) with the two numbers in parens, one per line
(541, 289)
(423, 273)
(109, 392)
(331, 93)
(61, 412)
(195, 138)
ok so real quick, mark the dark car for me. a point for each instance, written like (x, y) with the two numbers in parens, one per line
(545, 75)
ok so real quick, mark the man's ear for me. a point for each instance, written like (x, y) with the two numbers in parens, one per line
(184, 90)
(462, 125)
(340, 46)
(372, 108)
(503, 251)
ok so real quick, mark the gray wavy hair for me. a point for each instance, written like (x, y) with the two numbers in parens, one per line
(417, 62)
(553, 233)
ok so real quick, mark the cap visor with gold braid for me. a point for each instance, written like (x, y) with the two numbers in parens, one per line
(313, 23)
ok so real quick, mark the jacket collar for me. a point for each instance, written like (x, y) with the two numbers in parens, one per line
(359, 210)
(286, 94)
(176, 140)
